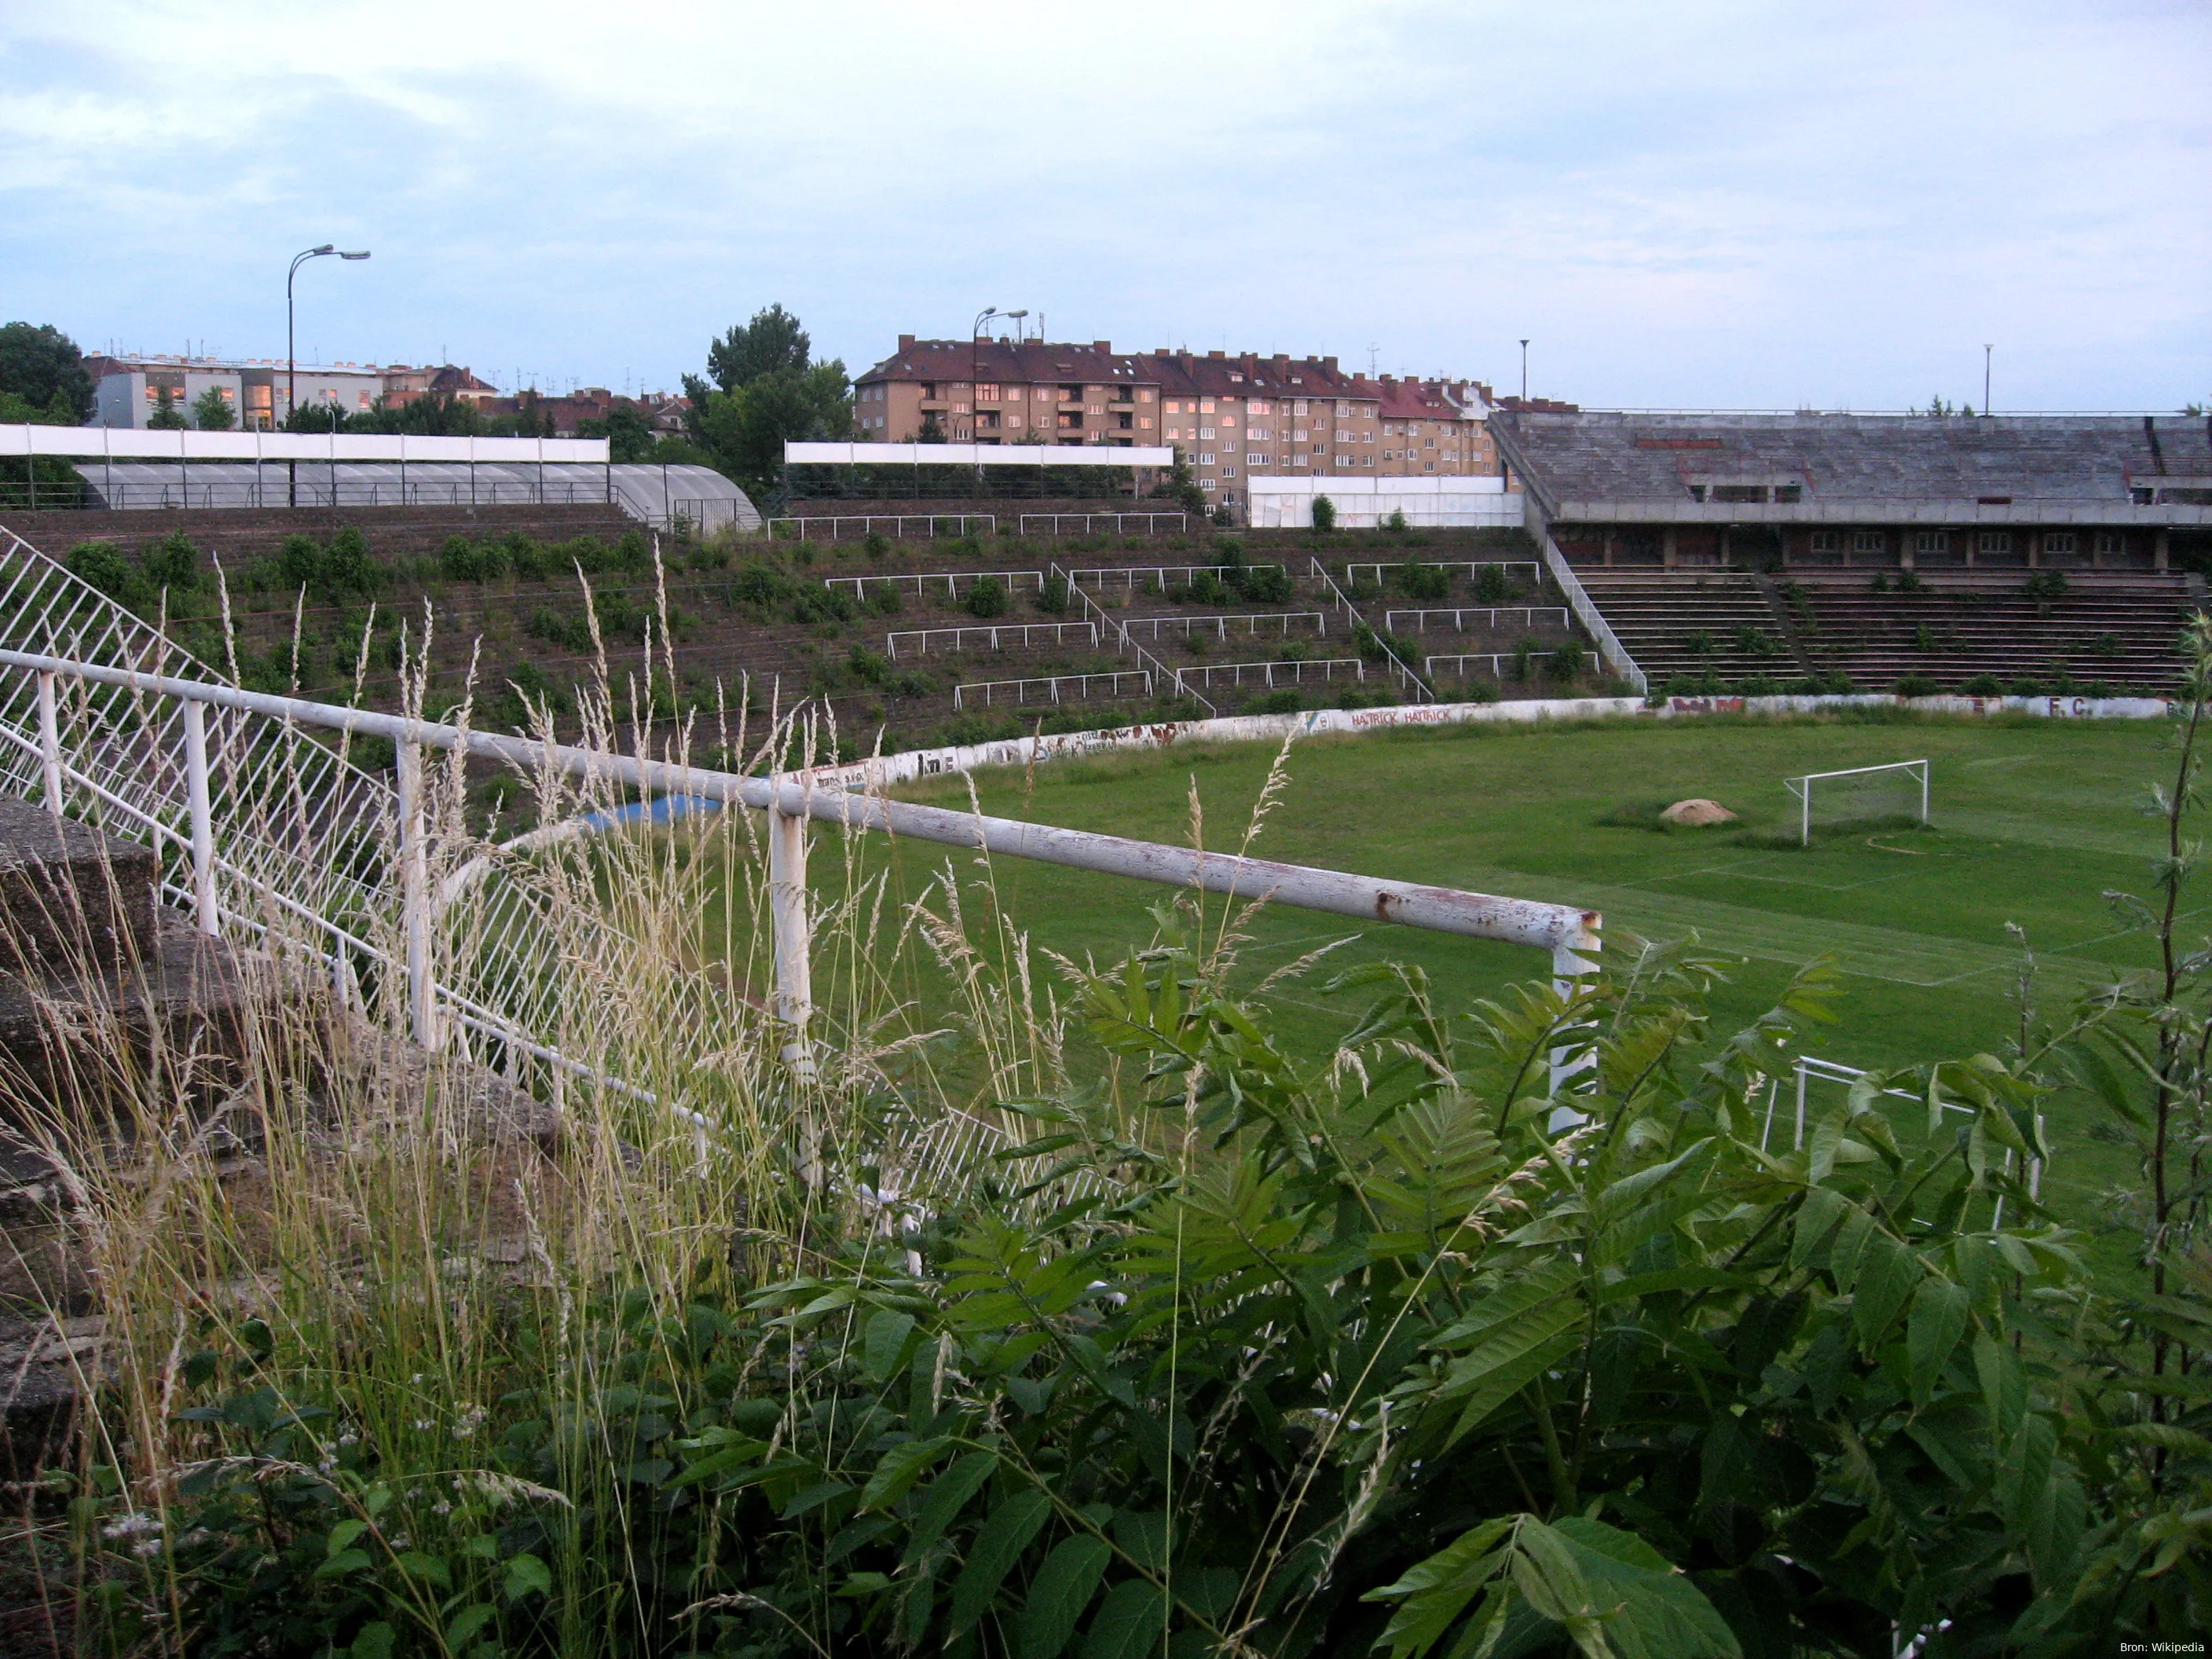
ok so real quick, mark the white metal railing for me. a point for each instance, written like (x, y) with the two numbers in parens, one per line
(263, 829)
(1456, 663)
(920, 583)
(1473, 568)
(1162, 576)
(1609, 648)
(1219, 626)
(1419, 623)
(1116, 522)
(1049, 688)
(988, 636)
(1408, 680)
(783, 530)
(1289, 672)
(1123, 639)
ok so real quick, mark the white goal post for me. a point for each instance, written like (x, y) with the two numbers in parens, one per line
(1907, 772)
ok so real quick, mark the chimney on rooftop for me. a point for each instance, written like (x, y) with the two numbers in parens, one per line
(1217, 354)
(1102, 345)
(906, 343)
(1329, 363)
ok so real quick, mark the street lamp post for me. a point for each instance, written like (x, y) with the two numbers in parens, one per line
(1986, 350)
(976, 385)
(292, 357)
(1524, 372)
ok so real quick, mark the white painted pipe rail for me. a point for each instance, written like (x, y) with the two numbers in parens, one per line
(1570, 934)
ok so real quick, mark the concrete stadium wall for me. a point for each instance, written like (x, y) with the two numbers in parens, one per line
(881, 771)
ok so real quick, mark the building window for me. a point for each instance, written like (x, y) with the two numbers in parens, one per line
(2111, 543)
(985, 393)
(1823, 541)
(1367, 460)
(1428, 466)
(2059, 541)
(1144, 421)
(1206, 432)
(1870, 541)
(1207, 483)
(1258, 406)
(1995, 541)
(1205, 459)
(1228, 472)
(1931, 541)
(1256, 460)
(1143, 395)
(1206, 405)
(1344, 460)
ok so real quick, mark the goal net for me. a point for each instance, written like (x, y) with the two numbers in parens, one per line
(1892, 794)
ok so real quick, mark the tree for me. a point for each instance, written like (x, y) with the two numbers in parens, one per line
(774, 340)
(746, 429)
(312, 417)
(211, 411)
(629, 436)
(166, 416)
(433, 415)
(1180, 487)
(42, 366)
(1324, 513)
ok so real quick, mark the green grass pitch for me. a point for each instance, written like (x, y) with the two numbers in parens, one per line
(2032, 821)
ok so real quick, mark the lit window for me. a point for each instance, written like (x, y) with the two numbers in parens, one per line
(1206, 405)
(1870, 541)
(1258, 406)
(1144, 421)
(985, 393)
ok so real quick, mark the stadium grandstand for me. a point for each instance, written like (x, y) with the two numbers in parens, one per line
(1880, 550)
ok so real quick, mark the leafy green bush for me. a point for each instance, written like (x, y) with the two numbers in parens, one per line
(876, 544)
(987, 598)
(1052, 595)
(570, 629)
(1982, 685)
(101, 566)
(1286, 699)
(1425, 582)
(172, 562)
(815, 603)
(1492, 585)
(1916, 685)
(1264, 584)
(1568, 662)
(760, 583)
(1396, 1365)
(1324, 514)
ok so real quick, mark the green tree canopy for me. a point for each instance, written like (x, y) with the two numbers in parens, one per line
(167, 417)
(211, 411)
(629, 436)
(43, 366)
(765, 391)
(774, 340)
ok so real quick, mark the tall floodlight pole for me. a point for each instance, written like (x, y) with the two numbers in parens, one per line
(976, 386)
(1986, 350)
(1524, 371)
(292, 354)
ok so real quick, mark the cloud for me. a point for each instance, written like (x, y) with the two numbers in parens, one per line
(1708, 203)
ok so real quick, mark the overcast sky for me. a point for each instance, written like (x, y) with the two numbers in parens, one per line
(1790, 205)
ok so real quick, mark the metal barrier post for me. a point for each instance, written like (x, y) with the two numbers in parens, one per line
(50, 743)
(793, 1001)
(203, 818)
(415, 897)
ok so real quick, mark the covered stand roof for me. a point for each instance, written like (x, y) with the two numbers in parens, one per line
(2043, 468)
(646, 493)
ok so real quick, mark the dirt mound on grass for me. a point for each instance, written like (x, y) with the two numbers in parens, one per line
(1696, 813)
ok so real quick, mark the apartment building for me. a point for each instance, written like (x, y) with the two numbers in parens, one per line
(1232, 417)
(129, 389)
(1437, 426)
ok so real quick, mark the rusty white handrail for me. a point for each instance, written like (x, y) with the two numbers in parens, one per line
(1570, 934)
